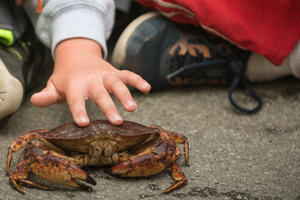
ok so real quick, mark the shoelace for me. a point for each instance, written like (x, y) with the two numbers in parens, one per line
(236, 67)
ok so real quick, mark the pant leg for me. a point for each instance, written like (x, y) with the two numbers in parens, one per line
(269, 28)
(259, 69)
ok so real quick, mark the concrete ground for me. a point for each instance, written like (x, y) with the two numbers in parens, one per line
(232, 156)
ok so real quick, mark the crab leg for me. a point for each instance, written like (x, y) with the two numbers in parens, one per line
(180, 139)
(15, 181)
(18, 175)
(34, 184)
(19, 143)
(22, 141)
(176, 137)
(178, 176)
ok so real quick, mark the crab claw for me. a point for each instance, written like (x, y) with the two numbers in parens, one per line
(59, 169)
(55, 168)
(70, 177)
(149, 164)
(76, 173)
(163, 156)
(63, 173)
(141, 166)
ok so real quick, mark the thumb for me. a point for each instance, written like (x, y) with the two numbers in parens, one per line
(46, 97)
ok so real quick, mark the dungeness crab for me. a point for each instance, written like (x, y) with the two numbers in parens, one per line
(133, 150)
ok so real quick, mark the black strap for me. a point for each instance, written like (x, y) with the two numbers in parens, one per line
(240, 80)
(198, 65)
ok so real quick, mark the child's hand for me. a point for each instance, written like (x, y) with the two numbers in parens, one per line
(80, 73)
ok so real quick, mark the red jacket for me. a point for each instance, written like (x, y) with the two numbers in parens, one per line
(268, 27)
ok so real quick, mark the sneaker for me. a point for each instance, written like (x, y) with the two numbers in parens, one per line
(18, 71)
(167, 54)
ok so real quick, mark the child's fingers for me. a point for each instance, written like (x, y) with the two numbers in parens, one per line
(46, 97)
(120, 90)
(134, 80)
(76, 102)
(102, 99)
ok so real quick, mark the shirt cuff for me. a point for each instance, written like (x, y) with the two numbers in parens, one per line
(82, 22)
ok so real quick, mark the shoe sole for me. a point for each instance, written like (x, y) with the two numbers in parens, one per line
(11, 92)
(119, 52)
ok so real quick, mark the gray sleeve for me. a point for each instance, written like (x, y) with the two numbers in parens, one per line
(61, 20)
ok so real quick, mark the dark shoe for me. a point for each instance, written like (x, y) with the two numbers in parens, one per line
(19, 71)
(166, 55)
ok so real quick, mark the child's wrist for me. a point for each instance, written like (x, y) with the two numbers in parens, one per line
(76, 47)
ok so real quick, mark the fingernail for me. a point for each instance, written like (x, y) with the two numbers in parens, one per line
(146, 85)
(83, 119)
(131, 104)
(117, 118)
